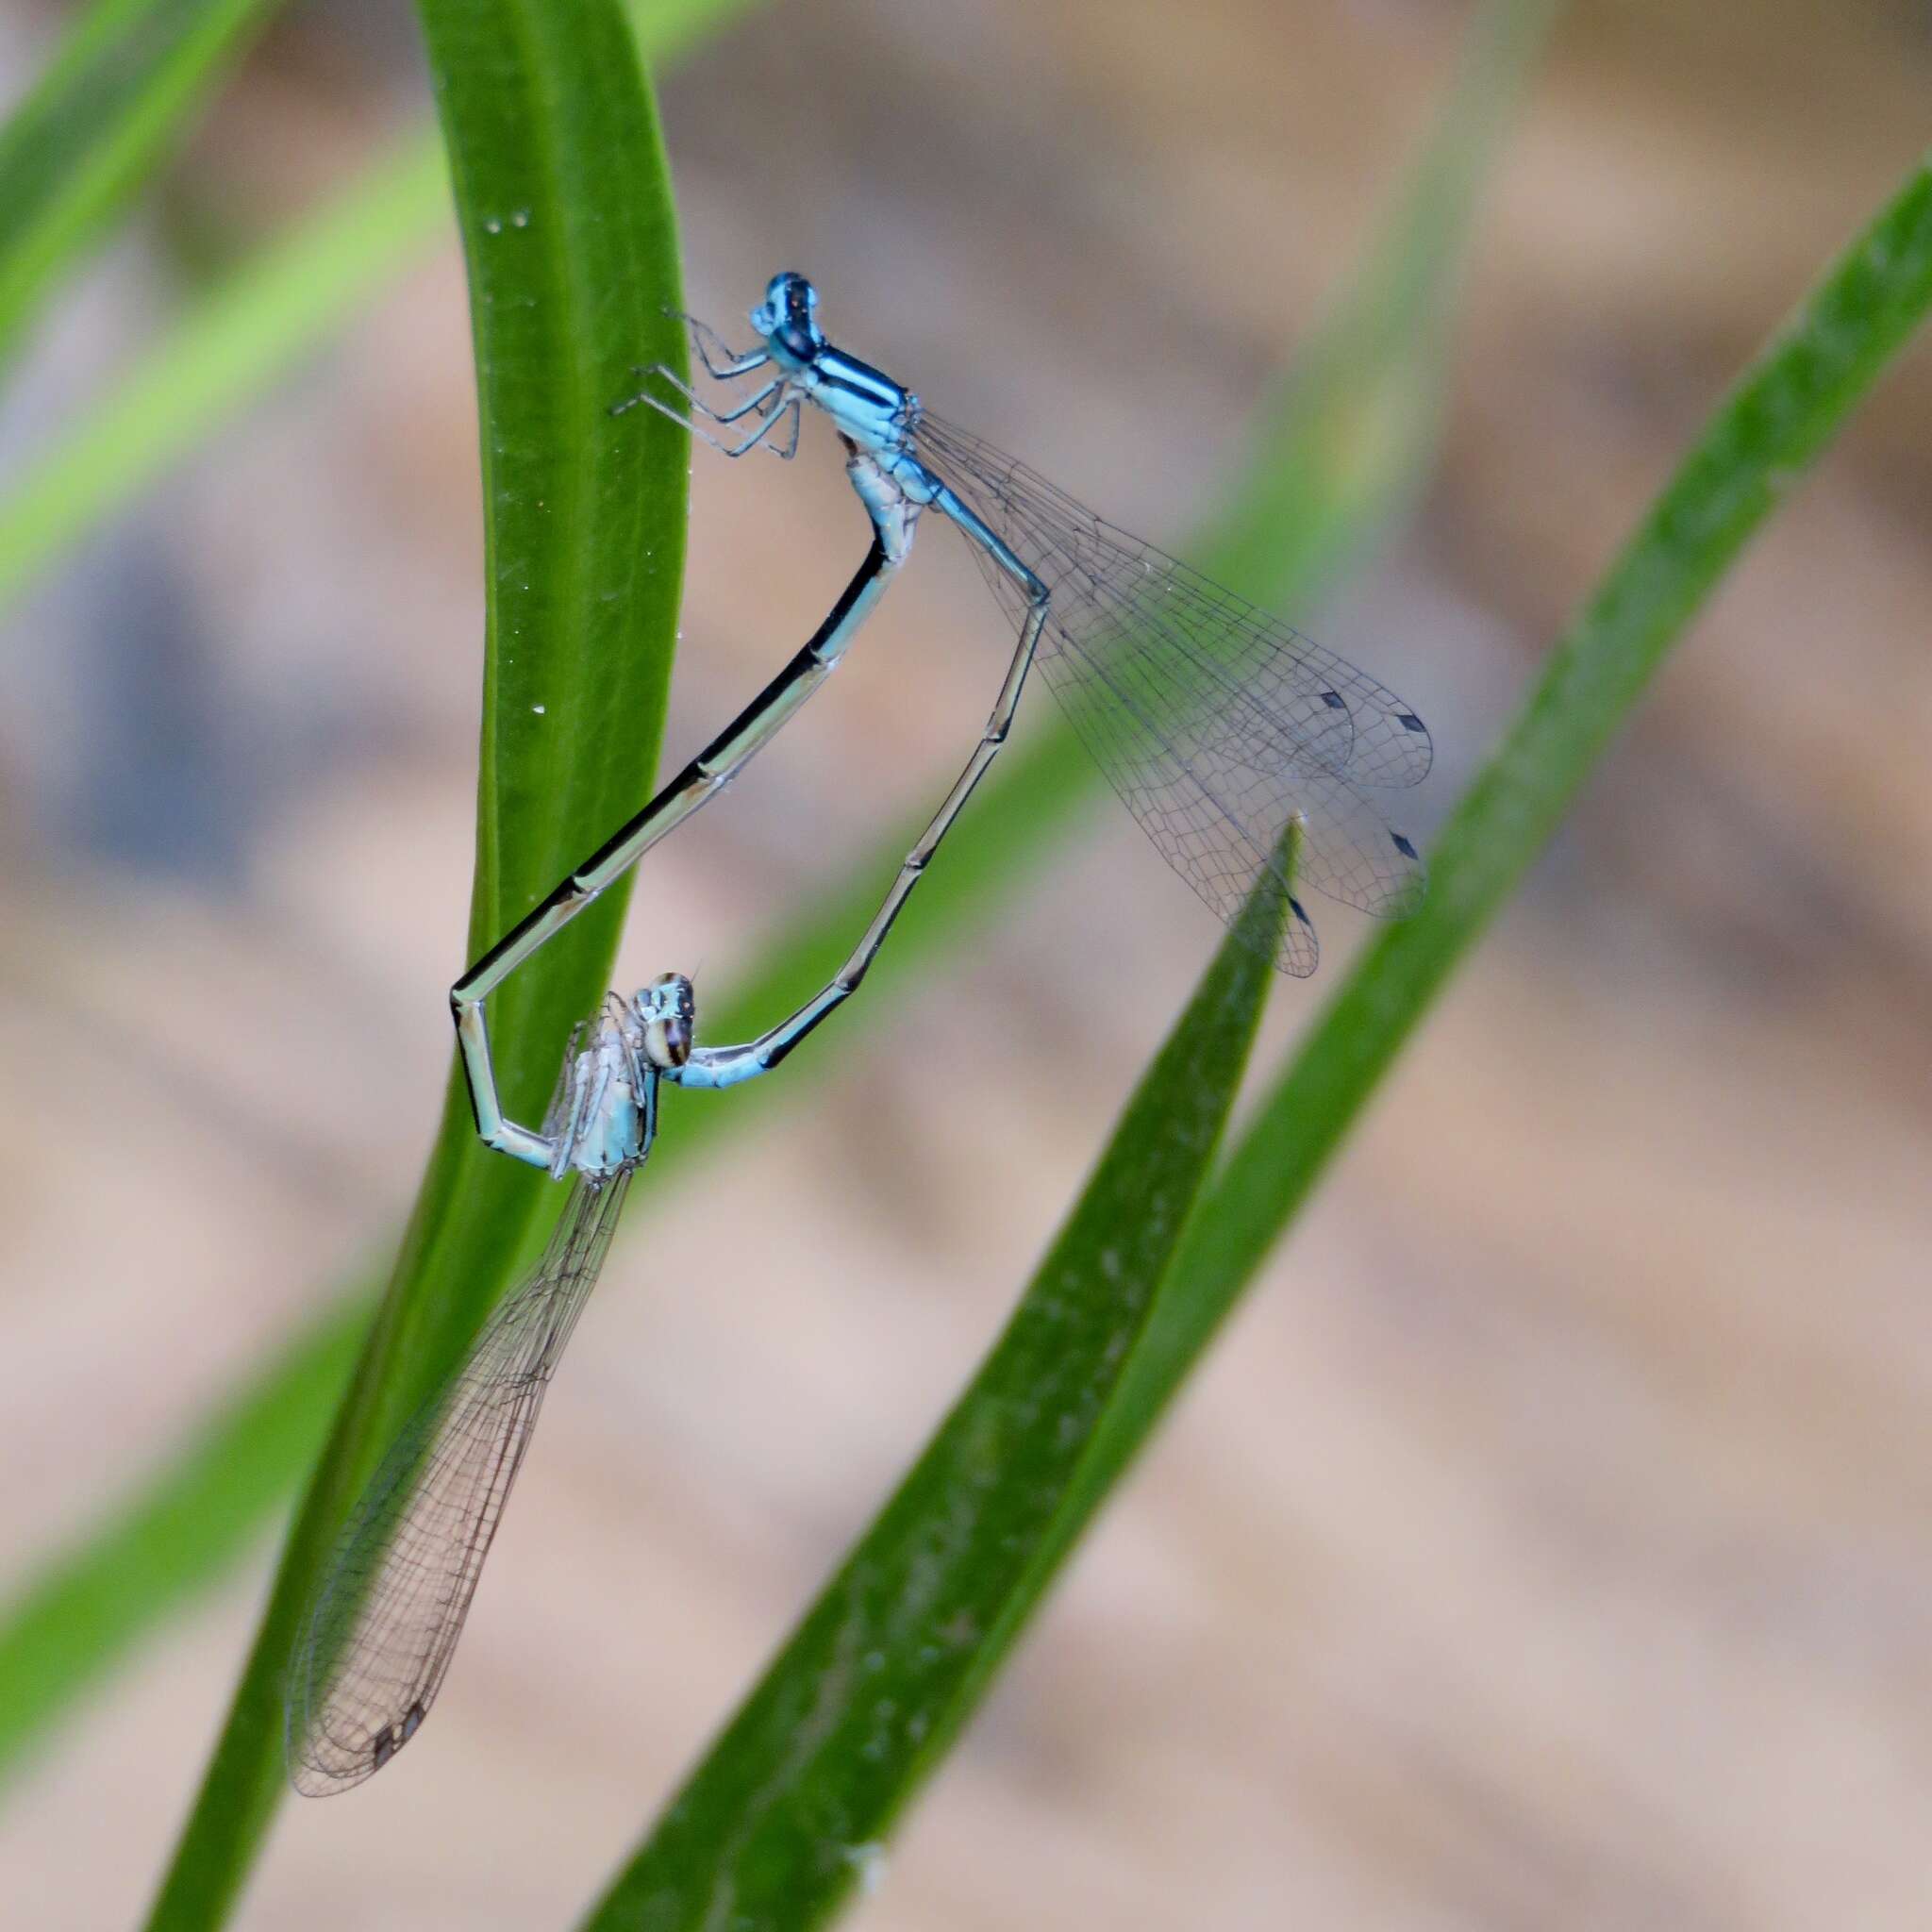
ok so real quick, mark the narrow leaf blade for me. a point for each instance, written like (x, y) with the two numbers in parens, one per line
(1781, 413)
(778, 1820)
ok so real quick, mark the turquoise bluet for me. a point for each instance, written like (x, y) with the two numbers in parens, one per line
(1215, 722)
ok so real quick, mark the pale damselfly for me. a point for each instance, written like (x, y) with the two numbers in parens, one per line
(378, 1635)
(1215, 722)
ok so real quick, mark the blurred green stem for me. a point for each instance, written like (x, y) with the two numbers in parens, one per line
(234, 343)
(882, 1670)
(97, 126)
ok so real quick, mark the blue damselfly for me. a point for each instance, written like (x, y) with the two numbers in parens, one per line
(1215, 722)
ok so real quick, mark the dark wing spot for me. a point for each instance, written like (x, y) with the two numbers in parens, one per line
(1402, 846)
(1334, 700)
(1301, 913)
(1409, 721)
(391, 1738)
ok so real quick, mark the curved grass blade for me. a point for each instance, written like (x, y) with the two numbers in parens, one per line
(99, 123)
(774, 1826)
(550, 125)
(1340, 452)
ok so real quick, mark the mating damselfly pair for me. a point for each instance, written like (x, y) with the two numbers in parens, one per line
(1217, 724)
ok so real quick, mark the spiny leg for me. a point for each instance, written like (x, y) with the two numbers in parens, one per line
(757, 400)
(703, 339)
(771, 400)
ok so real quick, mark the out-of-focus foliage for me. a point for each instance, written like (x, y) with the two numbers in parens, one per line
(244, 335)
(111, 103)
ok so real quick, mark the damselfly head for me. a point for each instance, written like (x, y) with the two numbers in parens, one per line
(667, 1010)
(784, 318)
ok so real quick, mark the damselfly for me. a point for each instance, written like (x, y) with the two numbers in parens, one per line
(378, 1636)
(1215, 722)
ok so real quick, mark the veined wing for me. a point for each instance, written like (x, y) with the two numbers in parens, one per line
(378, 1640)
(1215, 722)
(1276, 684)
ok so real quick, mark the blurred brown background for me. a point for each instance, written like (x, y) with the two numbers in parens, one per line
(1551, 1541)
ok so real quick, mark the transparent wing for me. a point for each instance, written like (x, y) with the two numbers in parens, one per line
(1216, 723)
(378, 1640)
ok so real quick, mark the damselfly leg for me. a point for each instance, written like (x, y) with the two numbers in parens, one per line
(707, 342)
(770, 404)
(761, 400)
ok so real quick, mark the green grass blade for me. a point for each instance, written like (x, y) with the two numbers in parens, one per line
(776, 1824)
(1343, 445)
(100, 120)
(233, 344)
(550, 125)
(1783, 411)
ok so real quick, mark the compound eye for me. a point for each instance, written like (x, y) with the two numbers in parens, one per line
(667, 1041)
(666, 1009)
